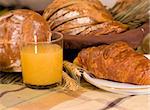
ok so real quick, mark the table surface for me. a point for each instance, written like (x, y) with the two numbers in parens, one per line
(19, 97)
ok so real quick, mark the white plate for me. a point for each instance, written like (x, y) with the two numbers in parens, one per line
(147, 55)
(116, 87)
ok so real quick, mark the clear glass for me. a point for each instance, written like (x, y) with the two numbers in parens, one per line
(42, 62)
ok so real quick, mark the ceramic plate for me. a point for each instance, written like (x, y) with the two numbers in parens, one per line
(116, 87)
(147, 56)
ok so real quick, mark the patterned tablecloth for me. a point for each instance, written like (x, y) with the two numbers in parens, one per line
(17, 97)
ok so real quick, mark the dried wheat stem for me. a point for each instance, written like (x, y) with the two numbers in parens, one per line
(69, 83)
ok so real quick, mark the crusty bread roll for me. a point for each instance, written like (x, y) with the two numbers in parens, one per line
(16, 26)
(81, 17)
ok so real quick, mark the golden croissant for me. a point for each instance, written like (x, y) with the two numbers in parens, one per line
(116, 62)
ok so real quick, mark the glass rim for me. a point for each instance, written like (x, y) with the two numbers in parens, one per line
(60, 37)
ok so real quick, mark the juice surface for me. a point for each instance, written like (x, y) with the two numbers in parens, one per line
(43, 66)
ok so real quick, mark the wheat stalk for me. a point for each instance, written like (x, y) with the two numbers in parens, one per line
(133, 15)
(69, 83)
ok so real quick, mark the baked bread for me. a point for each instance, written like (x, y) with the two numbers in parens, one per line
(116, 62)
(81, 17)
(16, 26)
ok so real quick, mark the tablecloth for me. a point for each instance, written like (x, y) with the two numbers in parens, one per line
(19, 97)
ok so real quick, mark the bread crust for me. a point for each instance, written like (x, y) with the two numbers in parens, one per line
(69, 14)
(15, 27)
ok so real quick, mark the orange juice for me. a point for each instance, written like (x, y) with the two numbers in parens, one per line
(43, 67)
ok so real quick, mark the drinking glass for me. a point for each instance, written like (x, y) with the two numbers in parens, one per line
(42, 62)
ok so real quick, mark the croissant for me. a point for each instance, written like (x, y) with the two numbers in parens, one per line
(116, 62)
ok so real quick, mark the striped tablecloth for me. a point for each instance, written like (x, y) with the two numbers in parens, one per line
(17, 97)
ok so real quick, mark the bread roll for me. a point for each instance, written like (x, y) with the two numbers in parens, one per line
(71, 16)
(17, 26)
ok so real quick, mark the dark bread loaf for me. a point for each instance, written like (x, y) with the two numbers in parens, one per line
(16, 26)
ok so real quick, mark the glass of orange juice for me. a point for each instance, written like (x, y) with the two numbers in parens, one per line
(42, 62)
